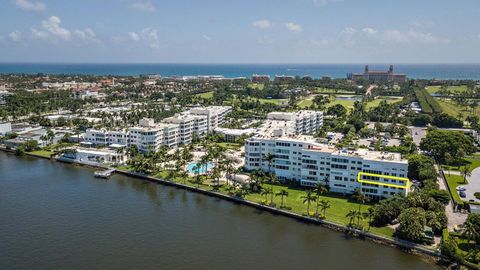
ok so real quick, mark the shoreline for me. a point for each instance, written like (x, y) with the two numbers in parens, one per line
(431, 254)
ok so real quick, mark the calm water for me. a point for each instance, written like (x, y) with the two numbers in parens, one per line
(421, 71)
(57, 216)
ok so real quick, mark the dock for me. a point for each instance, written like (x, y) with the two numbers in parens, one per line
(104, 174)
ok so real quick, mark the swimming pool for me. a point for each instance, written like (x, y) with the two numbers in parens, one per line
(202, 170)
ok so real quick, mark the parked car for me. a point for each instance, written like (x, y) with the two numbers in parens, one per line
(461, 188)
(462, 194)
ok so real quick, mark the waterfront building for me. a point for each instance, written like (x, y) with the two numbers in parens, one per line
(231, 134)
(173, 131)
(260, 78)
(299, 158)
(283, 78)
(300, 122)
(379, 76)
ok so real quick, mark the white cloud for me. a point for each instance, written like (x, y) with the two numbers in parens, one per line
(31, 5)
(144, 5)
(294, 27)
(15, 36)
(87, 35)
(369, 31)
(133, 36)
(148, 36)
(207, 38)
(51, 29)
(411, 36)
(262, 24)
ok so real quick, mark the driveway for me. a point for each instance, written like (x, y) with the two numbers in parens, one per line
(417, 133)
(473, 185)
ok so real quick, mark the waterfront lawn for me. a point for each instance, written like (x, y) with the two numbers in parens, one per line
(453, 182)
(42, 153)
(340, 206)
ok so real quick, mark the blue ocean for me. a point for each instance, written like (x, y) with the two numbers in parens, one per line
(417, 71)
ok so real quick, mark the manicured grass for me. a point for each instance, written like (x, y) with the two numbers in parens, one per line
(305, 103)
(473, 162)
(258, 86)
(274, 101)
(453, 182)
(346, 103)
(374, 103)
(457, 89)
(453, 109)
(42, 153)
(206, 95)
(340, 206)
(230, 145)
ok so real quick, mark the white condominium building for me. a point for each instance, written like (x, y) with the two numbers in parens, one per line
(215, 115)
(172, 131)
(301, 122)
(299, 158)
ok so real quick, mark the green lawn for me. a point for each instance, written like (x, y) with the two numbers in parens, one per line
(453, 182)
(230, 145)
(457, 89)
(374, 103)
(473, 162)
(346, 103)
(305, 103)
(206, 95)
(258, 86)
(337, 213)
(42, 153)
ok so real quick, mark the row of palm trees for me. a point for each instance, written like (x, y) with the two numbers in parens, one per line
(314, 195)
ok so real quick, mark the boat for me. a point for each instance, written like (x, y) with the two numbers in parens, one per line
(104, 174)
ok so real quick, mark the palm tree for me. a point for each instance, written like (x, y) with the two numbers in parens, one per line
(269, 158)
(352, 214)
(282, 193)
(469, 231)
(361, 199)
(369, 214)
(324, 205)
(319, 190)
(466, 172)
(308, 199)
(265, 192)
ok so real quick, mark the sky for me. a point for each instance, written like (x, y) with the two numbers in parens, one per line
(240, 31)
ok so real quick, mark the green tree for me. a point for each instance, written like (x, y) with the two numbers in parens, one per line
(466, 172)
(282, 193)
(308, 198)
(324, 205)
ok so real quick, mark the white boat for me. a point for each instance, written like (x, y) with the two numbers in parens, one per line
(104, 174)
